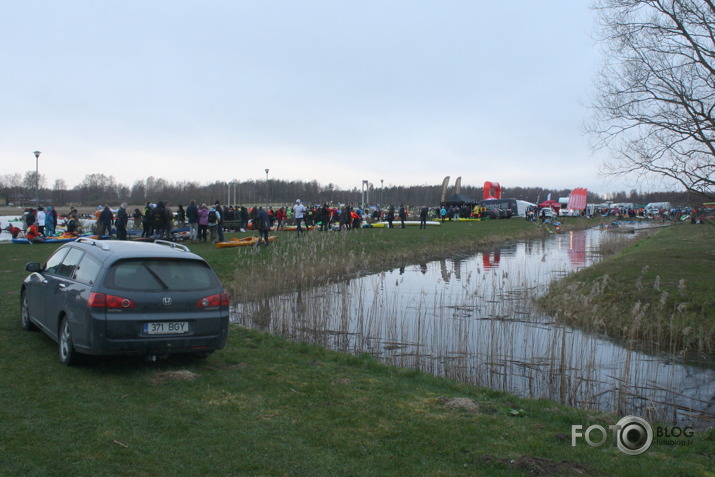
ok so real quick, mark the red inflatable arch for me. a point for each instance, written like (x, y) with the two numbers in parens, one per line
(492, 190)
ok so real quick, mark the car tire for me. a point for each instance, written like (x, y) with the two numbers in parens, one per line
(68, 355)
(25, 321)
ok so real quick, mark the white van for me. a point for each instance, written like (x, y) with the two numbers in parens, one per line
(655, 207)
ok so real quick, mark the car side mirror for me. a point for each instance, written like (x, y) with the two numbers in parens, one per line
(33, 267)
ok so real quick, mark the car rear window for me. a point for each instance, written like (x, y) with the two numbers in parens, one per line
(160, 275)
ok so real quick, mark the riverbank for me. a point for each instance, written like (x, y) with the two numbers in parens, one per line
(265, 406)
(657, 293)
(298, 262)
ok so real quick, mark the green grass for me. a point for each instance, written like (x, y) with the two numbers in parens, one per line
(659, 292)
(265, 406)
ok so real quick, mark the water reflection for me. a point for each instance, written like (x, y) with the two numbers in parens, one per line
(472, 319)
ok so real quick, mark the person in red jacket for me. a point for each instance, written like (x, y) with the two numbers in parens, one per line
(14, 231)
(280, 218)
(33, 234)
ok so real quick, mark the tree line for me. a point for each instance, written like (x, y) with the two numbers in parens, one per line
(99, 189)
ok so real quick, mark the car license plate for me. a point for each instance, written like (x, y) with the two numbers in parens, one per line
(166, 328)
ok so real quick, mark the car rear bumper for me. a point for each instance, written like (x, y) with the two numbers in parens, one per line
(159, 345)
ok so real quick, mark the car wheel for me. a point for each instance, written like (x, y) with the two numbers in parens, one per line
(68, 355)
(25, 313)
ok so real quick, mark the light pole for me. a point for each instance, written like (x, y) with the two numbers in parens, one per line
(382, 187)
(267, 188)
(37, 178)
(364, 183)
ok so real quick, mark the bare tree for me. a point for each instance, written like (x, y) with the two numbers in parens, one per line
(11, 187)
(98, 187)
(655, 94)
(58, 194)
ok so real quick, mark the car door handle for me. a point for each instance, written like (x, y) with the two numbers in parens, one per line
(62, 285)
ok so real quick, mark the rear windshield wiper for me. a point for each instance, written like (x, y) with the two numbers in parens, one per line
(156, 276)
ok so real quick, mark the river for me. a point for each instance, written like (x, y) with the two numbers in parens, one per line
(473, 319)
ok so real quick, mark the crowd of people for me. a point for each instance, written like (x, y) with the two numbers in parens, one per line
(36, 224)
(207, 223)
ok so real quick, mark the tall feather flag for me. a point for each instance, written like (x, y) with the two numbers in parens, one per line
(577, 199)
(445, 184)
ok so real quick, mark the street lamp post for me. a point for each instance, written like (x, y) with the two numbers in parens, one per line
(231, 200)
(382, 187)
(267, 188)
(364, 183)
(37, 178)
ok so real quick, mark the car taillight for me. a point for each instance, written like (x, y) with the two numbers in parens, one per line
(220, 299)
(102, 300)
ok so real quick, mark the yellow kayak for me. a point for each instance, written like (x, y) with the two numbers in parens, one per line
(242, 242)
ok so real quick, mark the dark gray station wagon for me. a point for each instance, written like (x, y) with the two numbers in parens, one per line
(111, 297)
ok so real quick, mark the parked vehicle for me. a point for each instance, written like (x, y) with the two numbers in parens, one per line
(499, 208)
(102, 297)
(654, 208)
(547, 212)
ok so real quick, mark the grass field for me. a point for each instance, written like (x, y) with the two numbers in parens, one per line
(659, 292)
(265, 406)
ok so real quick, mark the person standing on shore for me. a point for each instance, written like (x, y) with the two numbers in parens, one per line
(203, 223)
(299, 212)
(40, 220)
(192, 217)
(280, 217)
(214, 219)
(390, 216)
(423, 217)
(159, 220)
(122, 221)
(50, 221)
(263, 224)
(147, 220)
(137, 217)
(219, 226)
(105, 221)
(403, 215)
(28, 218)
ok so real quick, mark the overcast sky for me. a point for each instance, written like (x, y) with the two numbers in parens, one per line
(406, 91)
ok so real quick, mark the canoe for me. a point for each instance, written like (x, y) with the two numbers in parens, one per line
(242, 242)
(24, 241)
(397, 223)
(295, 227)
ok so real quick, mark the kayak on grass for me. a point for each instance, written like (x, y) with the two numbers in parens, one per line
(242, 242)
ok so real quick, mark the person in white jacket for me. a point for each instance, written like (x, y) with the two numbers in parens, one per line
(40, 220)
(298, 213)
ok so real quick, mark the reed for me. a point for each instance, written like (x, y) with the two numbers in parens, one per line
(636, 295)
(299, 262)
(474, 333)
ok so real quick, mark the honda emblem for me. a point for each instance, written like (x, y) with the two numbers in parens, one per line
(167, 300)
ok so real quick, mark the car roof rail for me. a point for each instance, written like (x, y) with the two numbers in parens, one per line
(175, 245)
(97, 243)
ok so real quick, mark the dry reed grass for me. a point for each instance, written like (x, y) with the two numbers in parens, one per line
(476, 333)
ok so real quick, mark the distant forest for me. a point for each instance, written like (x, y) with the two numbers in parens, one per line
(98, 189)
